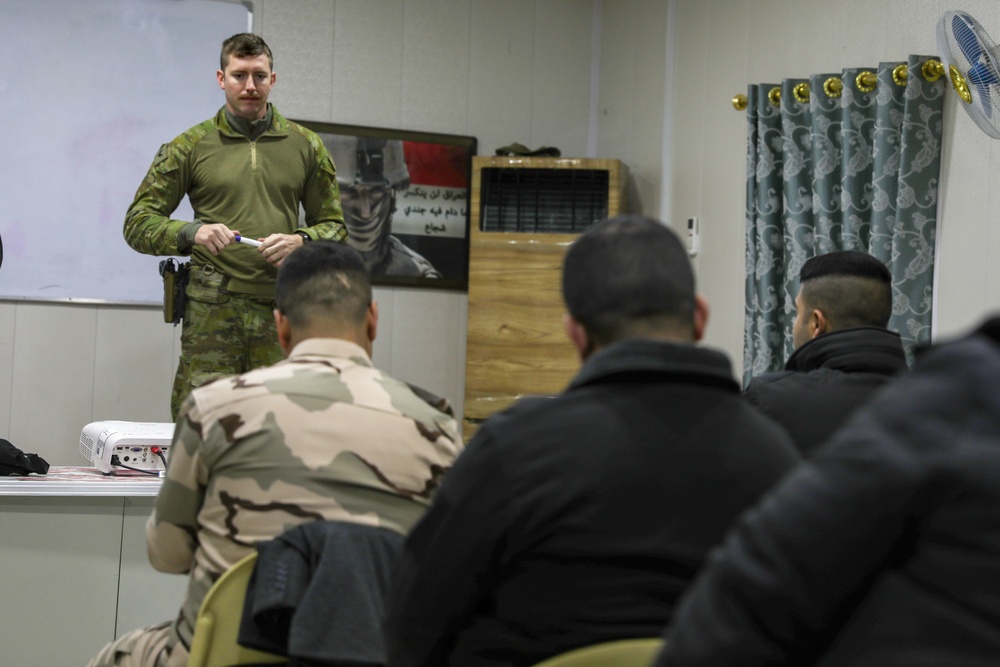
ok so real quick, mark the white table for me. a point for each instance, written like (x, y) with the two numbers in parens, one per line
(73, 568)
(82, 481)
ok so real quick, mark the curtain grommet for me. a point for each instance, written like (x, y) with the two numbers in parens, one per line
(801, 91)
(866, 81)
(833, 86)
(932, 70)
(900, 74)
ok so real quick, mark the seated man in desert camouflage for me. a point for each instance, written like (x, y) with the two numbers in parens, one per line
(320, 435)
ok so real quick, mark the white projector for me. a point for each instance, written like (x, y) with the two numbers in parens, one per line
(138, 446)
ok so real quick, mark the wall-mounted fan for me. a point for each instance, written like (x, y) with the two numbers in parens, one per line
(972, 61)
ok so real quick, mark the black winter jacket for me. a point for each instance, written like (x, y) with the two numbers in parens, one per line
(825, 380)
(883, 550)
(582, 518)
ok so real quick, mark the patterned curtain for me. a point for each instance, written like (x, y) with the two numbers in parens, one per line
(845, 161)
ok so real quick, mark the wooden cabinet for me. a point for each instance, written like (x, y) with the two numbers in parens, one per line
(524, 213)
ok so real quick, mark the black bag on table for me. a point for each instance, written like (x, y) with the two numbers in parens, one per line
(15, 462)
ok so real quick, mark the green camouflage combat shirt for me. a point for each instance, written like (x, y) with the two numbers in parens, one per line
(251, 186)
(320, 435)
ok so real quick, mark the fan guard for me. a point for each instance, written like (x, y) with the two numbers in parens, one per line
(972, 60)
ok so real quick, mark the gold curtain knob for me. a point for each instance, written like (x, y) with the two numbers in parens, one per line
(833, 86)
(740, 102)
(960, 85)
(801, 91)
(774, 96)
(866, 81)
(900, 74)
(932, 70)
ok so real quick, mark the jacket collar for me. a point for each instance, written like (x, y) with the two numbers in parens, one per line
(279, 124)
(859, 349)
(330, 347)
(642, 357)
(991, 328)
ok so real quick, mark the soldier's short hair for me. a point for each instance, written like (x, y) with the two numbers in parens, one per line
(629, 276)
(245, 45)
(851, 287)
(323, 280)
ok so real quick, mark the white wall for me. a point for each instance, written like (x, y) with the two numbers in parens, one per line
(520, 70)
(722, 45)
(631, 87)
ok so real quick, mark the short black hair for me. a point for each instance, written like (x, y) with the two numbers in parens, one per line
(627, 276)
(245, 45)
(323, 279)
(851, 287)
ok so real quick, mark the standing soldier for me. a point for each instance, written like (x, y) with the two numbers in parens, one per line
(246, 172)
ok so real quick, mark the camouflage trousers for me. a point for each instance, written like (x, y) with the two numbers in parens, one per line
(233, 334)
(146, 647)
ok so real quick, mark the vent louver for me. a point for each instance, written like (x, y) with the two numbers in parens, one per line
(563, 201)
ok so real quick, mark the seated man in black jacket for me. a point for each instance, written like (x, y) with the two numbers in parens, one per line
(883, 549)
(582, 517)
(843, 351)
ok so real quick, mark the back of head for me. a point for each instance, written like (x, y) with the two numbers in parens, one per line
(245, 45)
(630, 277)
(324, 282)
(852, 288)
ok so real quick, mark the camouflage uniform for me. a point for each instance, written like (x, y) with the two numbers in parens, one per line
(254, 186)
(322, 435)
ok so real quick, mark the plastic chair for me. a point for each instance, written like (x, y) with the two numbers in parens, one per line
(215, 631)
(622, 653)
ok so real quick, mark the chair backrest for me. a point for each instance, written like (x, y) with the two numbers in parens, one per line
(214, 643)
(623, 653)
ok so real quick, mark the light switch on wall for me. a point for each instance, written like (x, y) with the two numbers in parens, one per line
(693, 236)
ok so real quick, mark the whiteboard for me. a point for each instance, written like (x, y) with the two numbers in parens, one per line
(89, 92)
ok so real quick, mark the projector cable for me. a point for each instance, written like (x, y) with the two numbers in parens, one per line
(115, 462)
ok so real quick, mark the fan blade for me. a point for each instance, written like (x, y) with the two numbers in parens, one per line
(985, 104)
(967, 40)
(983, 73)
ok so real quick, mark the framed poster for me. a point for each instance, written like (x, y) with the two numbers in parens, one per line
(406, 201)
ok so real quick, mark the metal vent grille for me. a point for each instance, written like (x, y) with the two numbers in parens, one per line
(86, 445)
(563, 201)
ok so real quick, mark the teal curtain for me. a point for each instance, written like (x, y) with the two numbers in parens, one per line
(848, 165)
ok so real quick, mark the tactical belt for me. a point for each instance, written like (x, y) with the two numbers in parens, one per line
(233, 286)
(207, 276)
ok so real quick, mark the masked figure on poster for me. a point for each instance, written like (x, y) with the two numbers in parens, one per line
(371, 171)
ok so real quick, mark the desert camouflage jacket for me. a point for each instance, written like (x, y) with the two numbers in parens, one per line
(320, 435)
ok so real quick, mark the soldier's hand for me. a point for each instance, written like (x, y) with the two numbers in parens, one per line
(277, 247)
(214, 237)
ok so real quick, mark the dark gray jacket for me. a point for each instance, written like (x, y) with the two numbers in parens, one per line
(317, 594)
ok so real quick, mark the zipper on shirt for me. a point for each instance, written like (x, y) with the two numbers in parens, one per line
(253, 155)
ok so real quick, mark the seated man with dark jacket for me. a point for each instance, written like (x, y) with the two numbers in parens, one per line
(843, 350)
(883, 549)
(582, 517)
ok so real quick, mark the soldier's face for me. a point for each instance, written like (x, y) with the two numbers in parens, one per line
(367, 212)
(247, 82)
